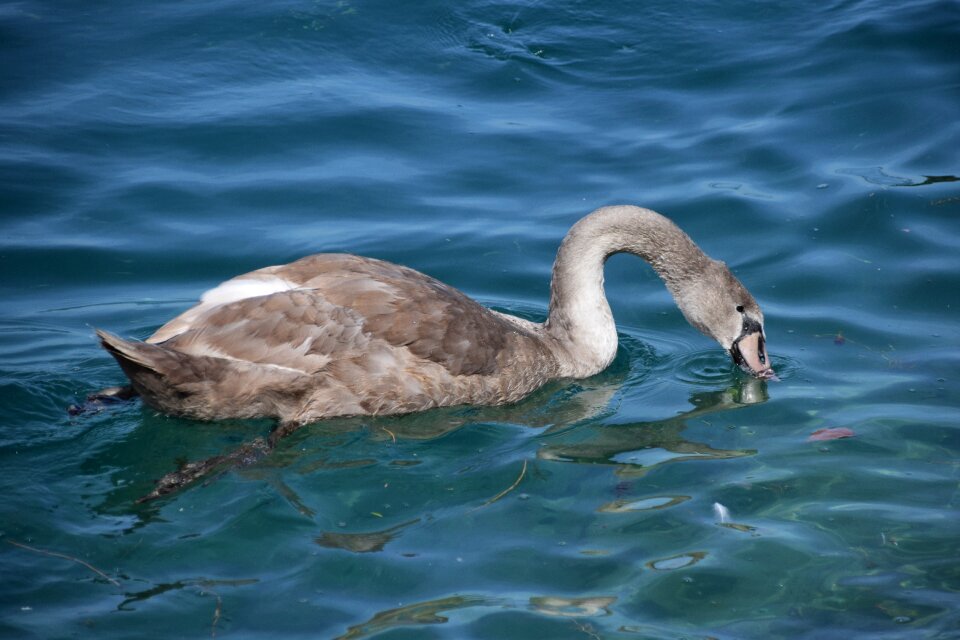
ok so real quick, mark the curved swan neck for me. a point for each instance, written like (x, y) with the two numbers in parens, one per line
(580, 321)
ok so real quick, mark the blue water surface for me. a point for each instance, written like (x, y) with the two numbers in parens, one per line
(151, 150)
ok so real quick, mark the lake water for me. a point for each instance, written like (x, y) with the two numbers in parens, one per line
(149, 151)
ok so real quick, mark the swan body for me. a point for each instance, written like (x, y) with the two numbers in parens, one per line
(337, 334)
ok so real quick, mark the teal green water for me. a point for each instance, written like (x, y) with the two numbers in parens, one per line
(150, 151)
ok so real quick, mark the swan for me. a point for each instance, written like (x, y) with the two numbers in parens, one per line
(342, 335)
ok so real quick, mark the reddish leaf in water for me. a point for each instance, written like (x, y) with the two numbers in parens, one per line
(831, 434)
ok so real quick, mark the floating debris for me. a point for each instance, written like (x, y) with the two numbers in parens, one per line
(721, 512)
(678, 561)
(830, 434)
(523, 472)
(572, 607)
(643, 504)
(56, 554)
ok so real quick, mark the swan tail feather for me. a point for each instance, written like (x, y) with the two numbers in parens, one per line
(137, 359)
(166, 379)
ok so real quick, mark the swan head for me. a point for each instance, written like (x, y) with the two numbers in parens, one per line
(717, 304)
(749, 350)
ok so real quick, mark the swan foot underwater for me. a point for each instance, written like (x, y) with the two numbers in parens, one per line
(334, 335)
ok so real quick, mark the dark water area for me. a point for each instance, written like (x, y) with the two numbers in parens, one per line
(151, 151)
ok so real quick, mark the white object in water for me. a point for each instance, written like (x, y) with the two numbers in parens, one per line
(722, 513)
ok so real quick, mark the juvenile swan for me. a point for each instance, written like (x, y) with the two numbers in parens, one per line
(338, 335)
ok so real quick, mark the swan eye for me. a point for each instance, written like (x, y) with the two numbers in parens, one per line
(739, 308)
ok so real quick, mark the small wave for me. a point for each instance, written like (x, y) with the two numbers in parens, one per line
(712, 367)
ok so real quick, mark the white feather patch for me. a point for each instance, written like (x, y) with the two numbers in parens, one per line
(216, 353)
(243, 288)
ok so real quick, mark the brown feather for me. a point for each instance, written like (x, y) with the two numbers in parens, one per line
(359, 336)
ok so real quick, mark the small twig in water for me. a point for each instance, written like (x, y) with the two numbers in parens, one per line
(391, 434)
(216, 616)
(65, 557)
(507, 490)
(587, 629)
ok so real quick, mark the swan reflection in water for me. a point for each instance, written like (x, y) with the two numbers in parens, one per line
(574, 433)
(640, 446)
(572, 416)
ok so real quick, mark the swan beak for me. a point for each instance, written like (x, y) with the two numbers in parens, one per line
(749, 352)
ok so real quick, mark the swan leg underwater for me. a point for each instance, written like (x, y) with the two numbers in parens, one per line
(341, 335)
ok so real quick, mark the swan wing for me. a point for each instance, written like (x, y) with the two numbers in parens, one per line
(330, 307)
